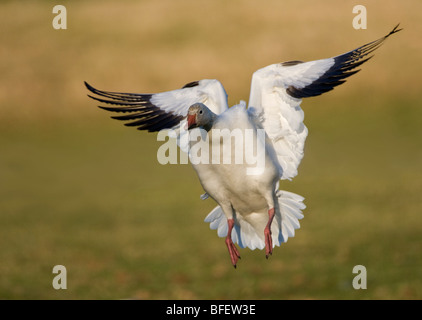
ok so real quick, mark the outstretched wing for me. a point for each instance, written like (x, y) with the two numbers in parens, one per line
(165, 110)
(277, 90)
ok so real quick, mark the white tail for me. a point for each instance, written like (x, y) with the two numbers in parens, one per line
(249, 231)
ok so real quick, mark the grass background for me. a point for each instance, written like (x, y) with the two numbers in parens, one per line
(81, 190)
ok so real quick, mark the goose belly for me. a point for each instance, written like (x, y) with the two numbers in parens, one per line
(235, 162)
(230, 183)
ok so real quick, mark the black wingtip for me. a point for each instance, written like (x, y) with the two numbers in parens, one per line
(395, 30)
(90, 88)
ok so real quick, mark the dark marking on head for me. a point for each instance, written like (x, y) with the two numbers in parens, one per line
(291, 63)
(191, 84)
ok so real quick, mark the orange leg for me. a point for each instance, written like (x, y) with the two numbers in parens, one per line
(234, 254)
(267, 233)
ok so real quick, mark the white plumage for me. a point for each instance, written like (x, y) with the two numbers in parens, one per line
(251, 211)
(284, 225)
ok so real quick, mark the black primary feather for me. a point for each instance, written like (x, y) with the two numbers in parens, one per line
(342, 68)
(138, 107)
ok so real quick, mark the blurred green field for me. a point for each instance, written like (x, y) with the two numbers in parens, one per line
(83, 191)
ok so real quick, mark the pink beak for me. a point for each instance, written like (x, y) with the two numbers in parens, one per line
(191, 120)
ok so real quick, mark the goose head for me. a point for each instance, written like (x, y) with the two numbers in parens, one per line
(199, 116)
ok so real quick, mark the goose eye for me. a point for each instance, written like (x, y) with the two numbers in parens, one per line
(200, 111)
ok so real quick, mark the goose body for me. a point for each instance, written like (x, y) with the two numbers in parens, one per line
(240, 154)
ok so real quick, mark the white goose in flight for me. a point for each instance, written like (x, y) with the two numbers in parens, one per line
(251, 211)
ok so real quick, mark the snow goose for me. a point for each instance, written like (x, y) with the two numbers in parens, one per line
(251, 211)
